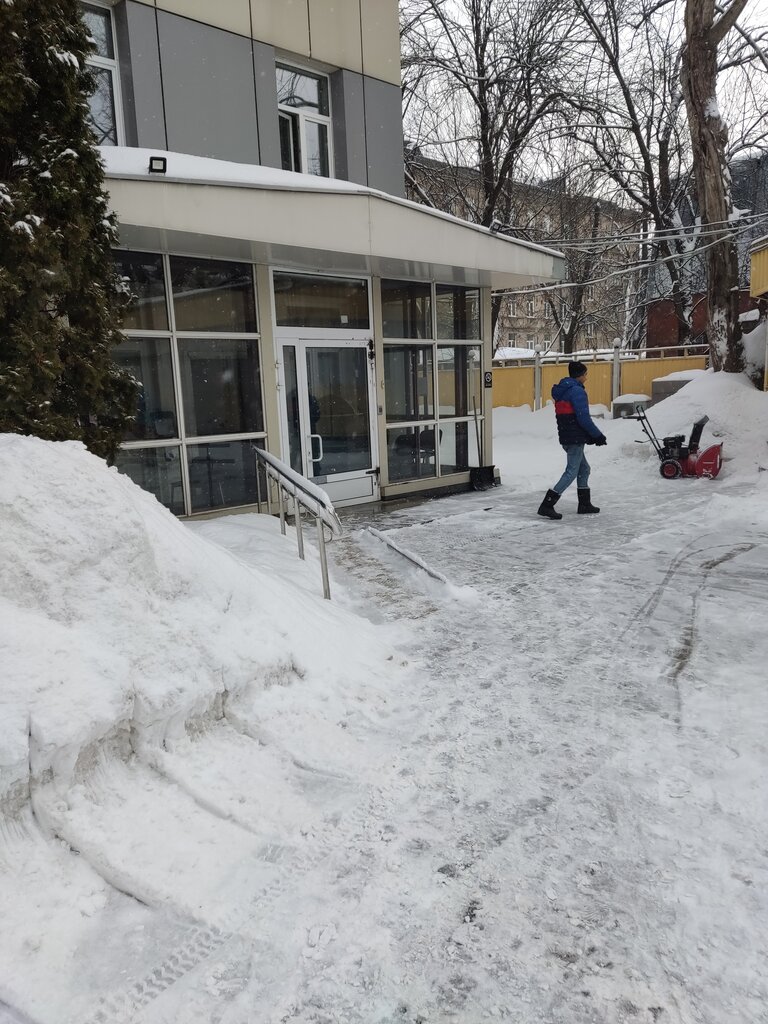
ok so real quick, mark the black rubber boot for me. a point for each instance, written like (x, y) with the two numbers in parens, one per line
(547, 507)
(585, 505)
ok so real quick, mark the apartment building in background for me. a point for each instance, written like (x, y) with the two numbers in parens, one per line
(287, 294)
(598, 238)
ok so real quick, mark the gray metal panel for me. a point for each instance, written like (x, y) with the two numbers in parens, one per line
(348, 111)
(384, 136)
(140, 81)
(266, 103)
(210, 103)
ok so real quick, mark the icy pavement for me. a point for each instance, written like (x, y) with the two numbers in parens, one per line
(589, 767)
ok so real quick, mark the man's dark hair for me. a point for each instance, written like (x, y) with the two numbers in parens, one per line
(576, 369)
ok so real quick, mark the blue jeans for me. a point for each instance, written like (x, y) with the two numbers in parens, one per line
(576, 468)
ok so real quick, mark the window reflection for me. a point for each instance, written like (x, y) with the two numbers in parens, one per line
(459, 379)
(157, 470)
(317, 148)
(101, 104)
(411, 452)
(406, 309)
(99, 24)
(220, 386)
(301, 90)
(149, 361)
(305, 300)
(458, 312)
(458, 447)
(144, 278)
(222, 475)
(213, 295)
(409, 382)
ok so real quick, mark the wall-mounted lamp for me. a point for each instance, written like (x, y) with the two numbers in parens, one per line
(157, 164)
(495, 227)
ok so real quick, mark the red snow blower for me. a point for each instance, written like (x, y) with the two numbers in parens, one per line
(678, 458)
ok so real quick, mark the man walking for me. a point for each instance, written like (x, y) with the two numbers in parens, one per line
(574, 429)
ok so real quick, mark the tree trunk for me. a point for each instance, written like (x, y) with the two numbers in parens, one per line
(708, 140)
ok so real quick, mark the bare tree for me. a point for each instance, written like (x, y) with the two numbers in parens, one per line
(635, 128)
(483, 81)
(704, 32)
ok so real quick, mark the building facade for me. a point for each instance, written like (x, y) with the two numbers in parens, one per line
(285, 293)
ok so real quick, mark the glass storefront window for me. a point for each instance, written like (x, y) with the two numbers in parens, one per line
(222, 475)
(220, 386)
(213, 295)
(458, 447)
(149, 361)
(406, 309)
(458, 312)
(411, 452)
(307, 300)
(157, 470)
(143, 276)
(409, 382)
(458, 380)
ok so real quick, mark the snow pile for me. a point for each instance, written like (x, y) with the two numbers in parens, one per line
(755, 347)
(118, 624)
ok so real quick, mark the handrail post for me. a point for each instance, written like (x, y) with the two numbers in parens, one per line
(281, 506)
(297, 520)
(267, 475)
(323, 559)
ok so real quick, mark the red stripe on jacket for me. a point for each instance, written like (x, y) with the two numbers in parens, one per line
(563, 408)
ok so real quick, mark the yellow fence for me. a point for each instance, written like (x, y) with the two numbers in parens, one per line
(514, 385)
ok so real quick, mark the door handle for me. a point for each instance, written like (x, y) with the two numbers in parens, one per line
(312, 448)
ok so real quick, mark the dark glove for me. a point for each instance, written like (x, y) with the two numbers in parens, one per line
(601, 440)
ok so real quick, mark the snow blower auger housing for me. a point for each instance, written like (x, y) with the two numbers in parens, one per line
(677, 458)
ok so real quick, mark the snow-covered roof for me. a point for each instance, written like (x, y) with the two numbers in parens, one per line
(396, 232)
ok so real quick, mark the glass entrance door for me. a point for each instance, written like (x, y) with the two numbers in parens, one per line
(328, 417)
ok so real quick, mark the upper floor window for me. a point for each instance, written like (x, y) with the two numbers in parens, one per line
(305, 121)
(530, 307)
(104, 101)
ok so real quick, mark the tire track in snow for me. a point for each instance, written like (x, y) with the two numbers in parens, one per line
(205, 943)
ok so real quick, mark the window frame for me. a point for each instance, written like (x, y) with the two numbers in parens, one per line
(112, 65)
(284, 111)
(436, 344)
(182, 441)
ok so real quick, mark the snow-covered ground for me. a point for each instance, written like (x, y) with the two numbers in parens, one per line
(533, 793)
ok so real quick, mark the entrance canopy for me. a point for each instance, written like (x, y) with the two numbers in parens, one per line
(214, 208)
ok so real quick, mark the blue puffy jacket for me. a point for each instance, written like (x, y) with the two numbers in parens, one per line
(574, 424)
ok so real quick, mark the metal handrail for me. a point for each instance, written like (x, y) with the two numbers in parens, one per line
(305, 495)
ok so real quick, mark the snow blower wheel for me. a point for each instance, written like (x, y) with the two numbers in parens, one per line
(670, 469)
